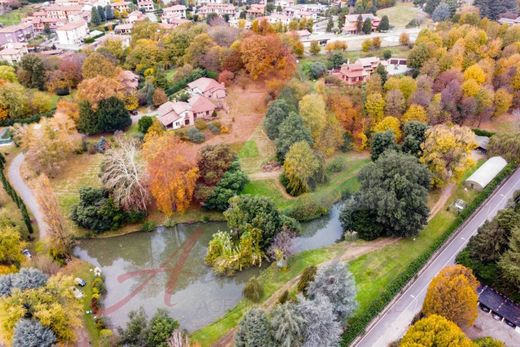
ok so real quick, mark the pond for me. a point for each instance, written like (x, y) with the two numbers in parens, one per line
(165, 269)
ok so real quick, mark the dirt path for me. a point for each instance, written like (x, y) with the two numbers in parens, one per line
(443, 198)
(26, 193)
(352, 252)
(265, 175)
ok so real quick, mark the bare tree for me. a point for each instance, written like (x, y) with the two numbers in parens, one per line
(124, 175)
(60, 239)
(178, 339)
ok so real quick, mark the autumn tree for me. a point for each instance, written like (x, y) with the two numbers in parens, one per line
(14, 101)
(97, 64)
(60, 239)
(315, 48)
(49, 144)
(213, 162)
(265, 55)
(375, 107)
(98, 88)
(453, 295)
(11, 246)
(159, 97)
(505, 144)
(415, 113)
(404, 39)
(390, 124)
(447, 152)
(31, 71)
(313, 113)
(395, 104)
(124, 175)
(346, 112)
(172, 174)
(435, 330)
(300, 167)
(8, 73)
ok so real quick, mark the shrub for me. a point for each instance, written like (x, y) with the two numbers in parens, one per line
(215, 127)
(201, 124)
(253, 290)
(194, 135)
(31, 333)
(148, 226)
(144, 124)
(336, 165)
(307, 208)
(387, 54)
(284, 297)
(307, 277)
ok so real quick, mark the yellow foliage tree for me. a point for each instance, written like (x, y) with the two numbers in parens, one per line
(392, 124)
(11, 245)
(300, 166)
(53, 305)
(447, 152)
(172, 174)
(475, 73)
(453, 295)
(375, 107)
(313, 113)
(435, 331)
(503, 101)
(470, 87)
(415, 112)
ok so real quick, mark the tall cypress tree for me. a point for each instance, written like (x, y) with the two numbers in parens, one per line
(94, 16)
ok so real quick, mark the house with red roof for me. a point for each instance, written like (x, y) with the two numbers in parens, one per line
(174, 115)
(351, 21)
(207, 87)
(351, 74)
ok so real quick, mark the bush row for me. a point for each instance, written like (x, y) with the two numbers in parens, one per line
(32, 119)
(14, 195)
(358, 323)
(482, 132)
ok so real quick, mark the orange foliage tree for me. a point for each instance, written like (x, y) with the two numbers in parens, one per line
(172, 176)
(267, 55)
(453, 295)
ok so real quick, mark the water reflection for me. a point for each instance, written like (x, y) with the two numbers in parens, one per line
(165, 269)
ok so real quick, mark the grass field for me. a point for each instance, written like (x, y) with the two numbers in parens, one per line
(326, 193)
(14, 17)
(401, 14)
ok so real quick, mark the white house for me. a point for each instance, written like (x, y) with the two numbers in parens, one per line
(176, 11)
(72, 34)
(207, 87)
(147, 5)
(13, 52)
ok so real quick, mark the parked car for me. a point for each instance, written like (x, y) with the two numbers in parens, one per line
(134, 112)
(80, 282)
(27, 253)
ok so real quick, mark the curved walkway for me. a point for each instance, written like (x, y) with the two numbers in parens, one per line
(26, 193)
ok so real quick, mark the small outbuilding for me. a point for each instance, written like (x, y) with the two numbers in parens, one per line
(486, 173)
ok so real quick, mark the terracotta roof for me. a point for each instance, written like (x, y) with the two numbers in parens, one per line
(71, 26)
(169, 111)
(200, 103)
(174, 8)
(205, 84)
(15, 28)
(353, 70)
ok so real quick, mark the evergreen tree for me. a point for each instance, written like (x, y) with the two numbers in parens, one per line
(321, 327)
(330, 25)
(287, 325)
(102, 14)
(254, 330)
(431, 5)
(509, 264)
(95, 19)
(441, 13)
(367, 26)
(291, 130)
(384, 25)
(109, 12)
(31, 333)
(335, 282)
(359, 24)
(414, 136)
(112, 115)
(494, 8)
(382, 141)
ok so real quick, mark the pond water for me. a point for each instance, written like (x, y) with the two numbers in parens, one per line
(165, 269)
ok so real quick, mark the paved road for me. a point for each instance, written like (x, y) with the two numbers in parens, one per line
(26, 193)
(393, 322)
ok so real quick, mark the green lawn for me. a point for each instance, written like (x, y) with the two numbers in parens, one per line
(326, 193)
(401, 14)
(14, 17)
(272, 279)
(249, 150)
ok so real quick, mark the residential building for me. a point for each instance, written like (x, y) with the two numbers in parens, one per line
(16, 33)
(351, 74)
(256, 10)
(53, 16)
(206, 2)
(124, 39)
(351, 21)
(171, 23)
(303, 35)
(122, 6)
(135, 16)
(510, 21)
(370, 64)
(124, 29)
(207, 87)
(174, 115)
(13, 52)
(147, 5)
(220, 9)
(285, 3)
(173, 12)
(72, 34)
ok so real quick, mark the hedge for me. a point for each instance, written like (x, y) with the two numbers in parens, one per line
(482, 132)
(359, 322)
(14, 195)
(32, 119)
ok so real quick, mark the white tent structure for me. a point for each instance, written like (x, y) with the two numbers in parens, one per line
(485, 174)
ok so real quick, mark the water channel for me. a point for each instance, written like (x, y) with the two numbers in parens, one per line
(165, 269)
